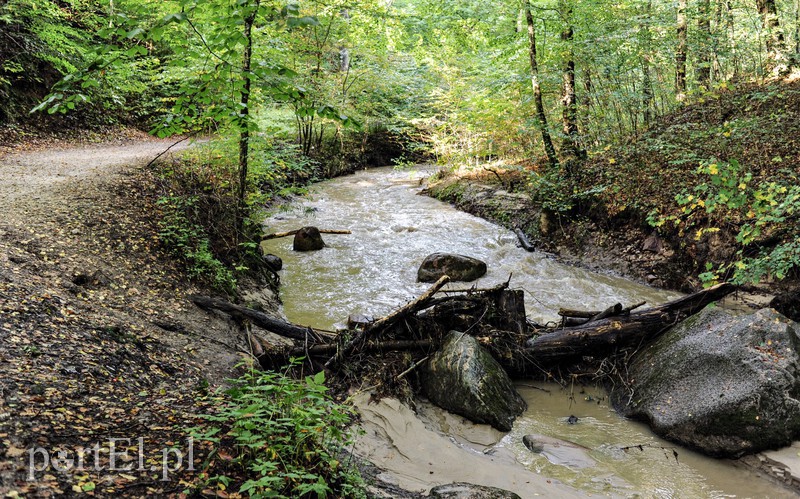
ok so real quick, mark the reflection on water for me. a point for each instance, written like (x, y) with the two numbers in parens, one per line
(373, 271)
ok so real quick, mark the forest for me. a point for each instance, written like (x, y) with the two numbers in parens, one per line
(663, 136)
(567, 93)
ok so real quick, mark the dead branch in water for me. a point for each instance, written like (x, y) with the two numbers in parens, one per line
(276, 235)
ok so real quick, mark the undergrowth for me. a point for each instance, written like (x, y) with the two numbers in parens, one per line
(197, 222)
(275, 436)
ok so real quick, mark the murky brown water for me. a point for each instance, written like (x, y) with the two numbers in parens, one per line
(651, 472)
(373, 271)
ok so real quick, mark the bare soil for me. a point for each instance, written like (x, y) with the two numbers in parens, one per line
(97, 337)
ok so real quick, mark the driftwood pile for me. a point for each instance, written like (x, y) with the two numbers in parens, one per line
(386, 350)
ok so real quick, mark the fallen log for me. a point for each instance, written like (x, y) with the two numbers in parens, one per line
(593, 314)
(388, 320)
(598, 337)
(260, 319)
(276, 235)
(380, 346)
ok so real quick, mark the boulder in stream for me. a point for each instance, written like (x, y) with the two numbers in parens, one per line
(721, 384)
(463, 378)
(308, 239)
(457, 267)
(470, 491)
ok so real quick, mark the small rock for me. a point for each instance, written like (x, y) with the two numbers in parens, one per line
(274, 261)
(463, 490)
(653, 243)
(561, 452)
(572, 419)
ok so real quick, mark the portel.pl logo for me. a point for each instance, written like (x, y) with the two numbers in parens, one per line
(120, 454)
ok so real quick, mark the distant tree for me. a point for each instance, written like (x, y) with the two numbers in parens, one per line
(777, 60)
(680, 50)
(571, 146)
(541, 116)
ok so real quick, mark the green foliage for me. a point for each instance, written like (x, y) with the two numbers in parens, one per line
(764, 213)
(199, 209)
(189, 242)
(276, 436)
(556, 194)
(39, 42)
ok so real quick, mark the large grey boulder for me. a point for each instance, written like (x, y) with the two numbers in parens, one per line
(457, 267)
(463, 378)
(462, 490)
(724, 385)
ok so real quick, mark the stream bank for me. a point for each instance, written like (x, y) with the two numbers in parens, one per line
(620, 246)
(98, 337)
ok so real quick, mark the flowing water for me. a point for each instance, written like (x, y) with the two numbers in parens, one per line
(373, 270)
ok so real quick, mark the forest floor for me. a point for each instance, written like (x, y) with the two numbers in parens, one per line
(97, 339)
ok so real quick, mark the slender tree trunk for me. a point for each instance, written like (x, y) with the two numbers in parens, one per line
(732, 38)
(680, 51)
(647, 84)
(541, 117)
(569, 99)
(776, 44)
(244, 118)
(704, 52)
(796, 32)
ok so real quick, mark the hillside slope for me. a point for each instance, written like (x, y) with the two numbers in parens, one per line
(667, 206)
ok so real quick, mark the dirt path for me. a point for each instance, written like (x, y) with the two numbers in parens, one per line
(47, 176)
(97, 338)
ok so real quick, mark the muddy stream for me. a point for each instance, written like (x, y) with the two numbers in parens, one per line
(373, 270)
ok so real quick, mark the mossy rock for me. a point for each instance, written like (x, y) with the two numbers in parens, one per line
(463, 378)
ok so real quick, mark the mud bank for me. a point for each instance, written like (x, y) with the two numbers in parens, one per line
(430, 447)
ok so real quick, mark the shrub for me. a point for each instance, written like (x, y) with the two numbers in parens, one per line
(275, 436)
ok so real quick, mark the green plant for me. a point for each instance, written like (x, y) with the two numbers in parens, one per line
(188, 241)
(557, 194)
(276, 436)
(762, 212)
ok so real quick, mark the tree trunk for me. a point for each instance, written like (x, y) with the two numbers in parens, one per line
(569, 100)
(680, 52)
(647, 84)
(260, 319)
(796, 61)
(704, 52)
(598, 338)
(776, 62)
(541, 117)
(244, 117)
